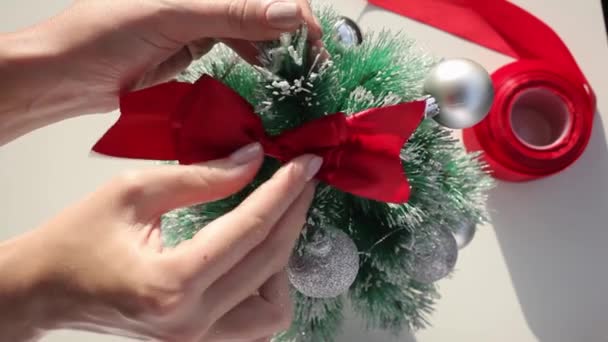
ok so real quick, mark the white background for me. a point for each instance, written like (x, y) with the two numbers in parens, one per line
(537, 274)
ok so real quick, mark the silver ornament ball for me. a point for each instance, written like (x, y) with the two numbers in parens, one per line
(434, 258)
(463, 91)
(326, 267)
(464, 232)
(347, 32)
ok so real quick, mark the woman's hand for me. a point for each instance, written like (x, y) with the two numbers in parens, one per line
(101, 266)
(81, 60)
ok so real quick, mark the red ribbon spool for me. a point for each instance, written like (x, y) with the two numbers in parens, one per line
(542, 116)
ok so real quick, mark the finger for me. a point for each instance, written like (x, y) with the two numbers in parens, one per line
(274, 305)
(252, 319)
(154, 192)
(314, 27)
(276, 291)
(244, 48)
(224, 242)
(200, 47)
(250, 53)
(165, 71)
(178, 62)
(241, 19)
(154, 239)
(266, 259)
(263, 339)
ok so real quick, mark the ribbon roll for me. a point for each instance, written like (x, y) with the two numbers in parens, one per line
(542, 116)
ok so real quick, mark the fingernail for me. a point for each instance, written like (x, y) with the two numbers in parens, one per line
(246, 154)
(283, 14)
(313, 167)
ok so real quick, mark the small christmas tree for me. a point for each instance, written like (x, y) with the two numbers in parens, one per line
(401, 249)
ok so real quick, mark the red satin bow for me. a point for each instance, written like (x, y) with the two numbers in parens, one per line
(208, 120)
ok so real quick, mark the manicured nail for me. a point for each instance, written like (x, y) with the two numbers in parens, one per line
(283, 14)
(313, 167)
(246, 154)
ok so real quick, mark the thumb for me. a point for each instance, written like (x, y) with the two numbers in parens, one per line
(157, 191)
(245, 19)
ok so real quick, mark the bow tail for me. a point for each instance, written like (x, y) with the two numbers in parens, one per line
(370, 163)
(145, 129)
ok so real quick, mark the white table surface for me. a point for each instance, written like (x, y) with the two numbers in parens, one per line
(538, 273)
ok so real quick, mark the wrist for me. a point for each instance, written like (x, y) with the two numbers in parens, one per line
(28, 309)
(35, 87)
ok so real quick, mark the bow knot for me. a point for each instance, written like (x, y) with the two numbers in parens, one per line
(322, 135)
(207, 120)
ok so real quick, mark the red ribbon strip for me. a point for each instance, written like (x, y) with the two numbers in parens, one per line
(207, 120)
(544, 65)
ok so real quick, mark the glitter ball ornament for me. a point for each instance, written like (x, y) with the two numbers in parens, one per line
(327, 266)
(434, 258)
(463, 90)
(464, 232)
(347, 32)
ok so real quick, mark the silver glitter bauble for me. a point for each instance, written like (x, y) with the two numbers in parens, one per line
(327, 265)
(464, 232)
(434, 257)
(347, 32)
(463, 90)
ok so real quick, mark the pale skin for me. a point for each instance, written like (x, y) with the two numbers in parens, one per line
(100, 264)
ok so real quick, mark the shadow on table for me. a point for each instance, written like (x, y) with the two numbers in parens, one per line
(554, 237)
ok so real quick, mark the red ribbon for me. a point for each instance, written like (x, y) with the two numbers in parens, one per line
(544, 63)
(208, 120)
